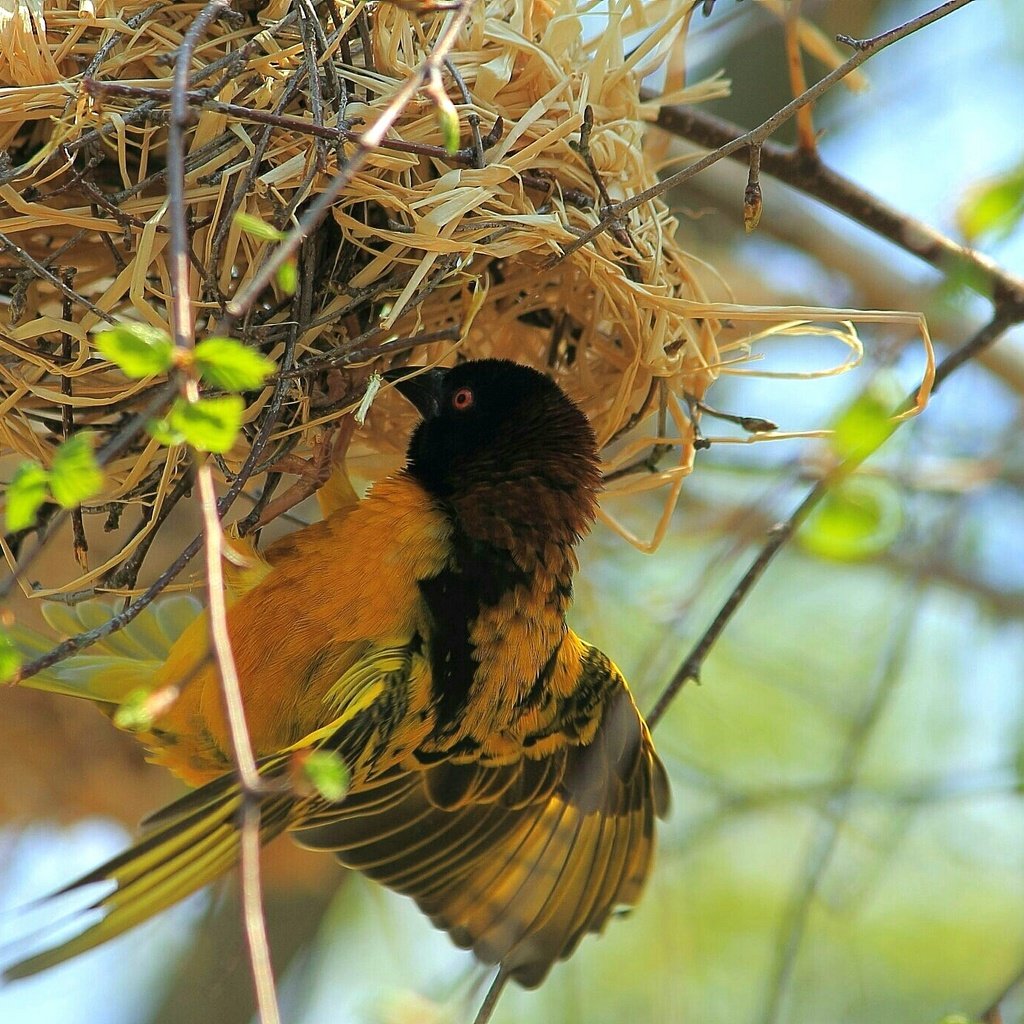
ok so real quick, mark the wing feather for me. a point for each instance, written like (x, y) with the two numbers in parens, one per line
(516, 862)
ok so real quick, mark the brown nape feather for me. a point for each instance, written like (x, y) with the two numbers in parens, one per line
(519, 466)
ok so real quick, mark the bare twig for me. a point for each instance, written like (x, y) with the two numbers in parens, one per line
(806, 142)
(488, 1006)
(214, 540)
(245, 763)
(620, 230)
(691, 666)
(80, 544)
(145, 110)
(126, 574)
(182, 332)
(472, 117)
(864, 50)
(813, 178)
(181, 307)
(8, 245)
(114, 447)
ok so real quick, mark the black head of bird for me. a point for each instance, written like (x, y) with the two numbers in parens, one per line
(505, 447)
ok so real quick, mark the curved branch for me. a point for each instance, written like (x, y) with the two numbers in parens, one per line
(863, 49)
(807, 173)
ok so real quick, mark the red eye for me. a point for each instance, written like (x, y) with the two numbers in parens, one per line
(462, 399)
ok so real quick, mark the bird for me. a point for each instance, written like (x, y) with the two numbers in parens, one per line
(499, 771)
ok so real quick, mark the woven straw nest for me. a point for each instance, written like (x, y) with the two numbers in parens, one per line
(424, 257)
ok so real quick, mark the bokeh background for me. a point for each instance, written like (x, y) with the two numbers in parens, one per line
(847, 839)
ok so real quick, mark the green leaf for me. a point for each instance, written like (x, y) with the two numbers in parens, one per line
(28, 489)
(287, 277)
(994, 207)
(75, 476)
(867, 422)
(10, 657)
(227, 363)
(209, 424)
(252, 225)
(134, 714)
(327, 773)
(162, 431)
(139, 349)
(448, 119)
(858, 519)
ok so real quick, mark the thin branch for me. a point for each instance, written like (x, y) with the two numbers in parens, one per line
(38, 270)
(691, 666)
(80, 543)
(864, 50)
(181, 307)
(490, 1002)
(806, 141)
(466, 157)
(114, 447)
(472, 117)
(182, 332)
(255, 927)
(811, 177)
(1007, 315)
(214, 541)
(125, 575)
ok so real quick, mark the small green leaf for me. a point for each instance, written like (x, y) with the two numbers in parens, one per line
(287, 277)
(209, 424)
(139, 349)
(858, 519)
(28, 489)
(867, 422)
(327, 773)
(75, 476)
(228, 364)
(10, 657)
(134, 714)
(252, 225)
(994, 207)
(448, 119)
(162, 431)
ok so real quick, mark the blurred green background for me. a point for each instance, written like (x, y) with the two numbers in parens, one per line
(847, 839)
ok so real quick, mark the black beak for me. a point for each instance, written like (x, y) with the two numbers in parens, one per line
(423, 390)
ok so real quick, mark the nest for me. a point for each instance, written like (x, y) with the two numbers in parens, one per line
(426, 255)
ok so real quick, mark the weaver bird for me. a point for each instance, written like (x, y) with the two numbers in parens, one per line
(500, 773)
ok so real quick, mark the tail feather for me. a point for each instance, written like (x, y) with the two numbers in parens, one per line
(179, 855)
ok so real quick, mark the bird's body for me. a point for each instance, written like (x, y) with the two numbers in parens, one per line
(499, 771)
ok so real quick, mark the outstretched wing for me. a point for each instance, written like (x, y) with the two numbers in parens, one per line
(195, 840)
(516, 862)
(118, 663)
